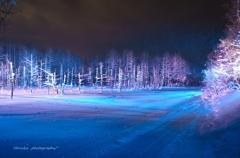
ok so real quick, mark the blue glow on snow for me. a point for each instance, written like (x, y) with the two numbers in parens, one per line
(161, 98)
(160, 122)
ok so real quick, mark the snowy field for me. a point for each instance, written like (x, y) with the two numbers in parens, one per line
(172, 122)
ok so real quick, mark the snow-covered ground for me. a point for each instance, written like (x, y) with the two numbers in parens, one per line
(171, 122)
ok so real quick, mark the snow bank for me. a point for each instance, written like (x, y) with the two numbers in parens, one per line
(223, 112)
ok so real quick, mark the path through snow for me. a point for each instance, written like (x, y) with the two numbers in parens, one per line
(165, 123)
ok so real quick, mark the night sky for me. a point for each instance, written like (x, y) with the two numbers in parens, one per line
(90, 27)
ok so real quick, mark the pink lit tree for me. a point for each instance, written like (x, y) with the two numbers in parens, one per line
(223, 71)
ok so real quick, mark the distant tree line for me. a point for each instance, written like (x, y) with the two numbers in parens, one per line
(28, 68)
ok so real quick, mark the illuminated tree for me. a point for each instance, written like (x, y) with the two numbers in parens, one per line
(130, 74)
(180, 70)
(167, 69)
(144, 70)
(32, 68)
(48, 61)
(223, 71)
(1, 68)
(112, 65)
(120, 79)
(156, 73)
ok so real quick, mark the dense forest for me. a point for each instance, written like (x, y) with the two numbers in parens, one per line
(24, 67)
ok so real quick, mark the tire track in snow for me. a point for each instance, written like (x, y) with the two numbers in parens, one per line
(167, 141)
(182, 138)
(116, 141)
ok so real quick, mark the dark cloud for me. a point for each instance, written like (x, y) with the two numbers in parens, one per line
(95, 26)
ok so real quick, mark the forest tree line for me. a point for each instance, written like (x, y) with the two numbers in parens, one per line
(27, 68)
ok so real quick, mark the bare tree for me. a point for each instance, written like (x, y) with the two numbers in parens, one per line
(130, 74)
(51, 81)
(90, 79)
(101, 75)
(156, 72)
(7, 11)
(2, 68)
(32, 69)
(145, 70)
(11, 78)
(2, 76)
(40, 75)
(111, 67)
(120, 79)
(139, 77)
